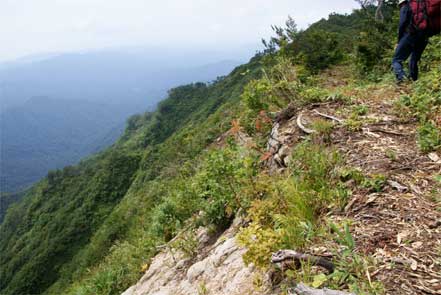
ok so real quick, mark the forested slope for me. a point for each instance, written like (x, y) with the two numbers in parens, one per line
(47, 133)
(60, 215)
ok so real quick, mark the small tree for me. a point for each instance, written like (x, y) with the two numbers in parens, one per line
(283, 37)
(380, 6)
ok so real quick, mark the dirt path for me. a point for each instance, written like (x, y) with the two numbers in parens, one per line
(400, 224)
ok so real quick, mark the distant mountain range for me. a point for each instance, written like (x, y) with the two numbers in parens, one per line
(135, 77)
(56, 110)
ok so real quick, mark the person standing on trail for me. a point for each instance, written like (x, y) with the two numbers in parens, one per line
(419, 20)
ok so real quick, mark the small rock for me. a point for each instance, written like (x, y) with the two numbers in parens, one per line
(196, 270)
(397, 186)
(224, 250)
(414, 265)
(181, 264)
(434, 157)
(284, 151)
(401, 236)
(202, 235)
(287, 161)
(417, 245)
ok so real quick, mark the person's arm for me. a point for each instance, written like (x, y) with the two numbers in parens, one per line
(405, 18)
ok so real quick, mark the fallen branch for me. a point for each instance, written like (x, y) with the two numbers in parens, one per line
(367, 131)
(302, 289)
(389, 132)
(393, 123)
(302, 127)
(341, 121)
(287, 256)
(426, 289)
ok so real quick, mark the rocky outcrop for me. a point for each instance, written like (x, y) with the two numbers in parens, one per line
(283, 136)
(217, 270)
(387, 225)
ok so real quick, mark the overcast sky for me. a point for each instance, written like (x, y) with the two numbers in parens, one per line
(30, 27)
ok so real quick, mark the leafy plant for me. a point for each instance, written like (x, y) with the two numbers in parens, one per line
(323, 131)
(289, 216)
(343, 237)
(186, 243)
(424, 103)
(348, 173)
(361, 110)
(429, 137)
(375, 183)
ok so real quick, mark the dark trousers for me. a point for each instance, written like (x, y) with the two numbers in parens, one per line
(413, 45)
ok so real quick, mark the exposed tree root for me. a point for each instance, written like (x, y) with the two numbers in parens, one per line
(287, 257)
(302, 127)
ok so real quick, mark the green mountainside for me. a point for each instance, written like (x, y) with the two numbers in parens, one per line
(44, 134)
(67, 218)
(59, 110)
(92, 228)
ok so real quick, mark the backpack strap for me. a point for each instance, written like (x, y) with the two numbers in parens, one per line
(429, 27)
(415, 27)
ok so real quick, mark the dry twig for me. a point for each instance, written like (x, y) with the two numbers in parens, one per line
(341, 121)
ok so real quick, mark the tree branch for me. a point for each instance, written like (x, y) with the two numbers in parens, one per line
(379, 12)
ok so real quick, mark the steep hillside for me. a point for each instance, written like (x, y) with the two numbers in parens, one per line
(344, 180)
(56, 111)
(306, 165)
(64, 222)
(46, 134)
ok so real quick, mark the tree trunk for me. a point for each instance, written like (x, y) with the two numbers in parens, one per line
(379, 12)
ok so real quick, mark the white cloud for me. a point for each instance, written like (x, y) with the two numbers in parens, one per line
(38, 26)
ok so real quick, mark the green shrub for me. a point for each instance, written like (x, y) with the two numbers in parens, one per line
(429, 137)
(290, 213)
(275, 90)
(224, 175)
(313, 94)
(374, 49)
(323, 130)
(424, 103)
(261, 237)
(318, 49)
(375, 183)
(119, 270)
(312, 190)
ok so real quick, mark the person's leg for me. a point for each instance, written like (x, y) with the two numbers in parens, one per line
(402, 52)
(415, 57)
